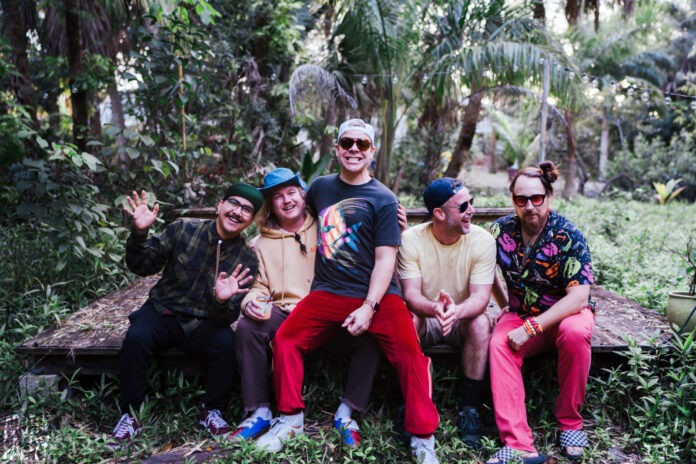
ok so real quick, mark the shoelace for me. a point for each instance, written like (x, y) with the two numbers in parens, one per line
(215, 419)
(124, 427)
(274, 431)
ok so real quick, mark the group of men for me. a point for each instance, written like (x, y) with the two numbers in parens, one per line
(332, 268)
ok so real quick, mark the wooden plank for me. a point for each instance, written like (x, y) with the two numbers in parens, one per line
(91, 338)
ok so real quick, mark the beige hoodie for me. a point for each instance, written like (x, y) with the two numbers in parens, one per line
(283, 267)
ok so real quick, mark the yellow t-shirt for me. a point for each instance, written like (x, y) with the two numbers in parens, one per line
(470, 260)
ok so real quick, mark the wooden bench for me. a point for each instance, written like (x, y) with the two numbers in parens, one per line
(90, 339)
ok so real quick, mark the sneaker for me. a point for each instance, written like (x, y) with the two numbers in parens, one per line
(250, 428)
(423, 449)
(348, 429)
(283, 428)
(212, 420)
(470, 428)
(126, 429)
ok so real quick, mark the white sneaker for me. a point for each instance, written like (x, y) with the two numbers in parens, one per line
(283, 428)
(423, 449)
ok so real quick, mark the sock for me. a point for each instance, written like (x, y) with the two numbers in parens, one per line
(263, 412)
(471, 392)
(343, 412)
(296, 419)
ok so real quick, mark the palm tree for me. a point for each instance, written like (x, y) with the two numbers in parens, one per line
(618, 51)
(378, 38)
(487, 47)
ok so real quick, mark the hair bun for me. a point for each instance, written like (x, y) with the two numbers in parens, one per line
(549, 170)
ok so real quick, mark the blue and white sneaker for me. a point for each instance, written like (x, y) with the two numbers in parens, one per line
(349, 431)
(250, 428)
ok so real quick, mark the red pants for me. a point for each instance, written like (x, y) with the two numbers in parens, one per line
(312, 323)
(572, 338)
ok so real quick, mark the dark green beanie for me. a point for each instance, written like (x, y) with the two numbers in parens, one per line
(247, 192)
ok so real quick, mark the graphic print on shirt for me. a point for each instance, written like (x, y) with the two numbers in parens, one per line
(337, 239)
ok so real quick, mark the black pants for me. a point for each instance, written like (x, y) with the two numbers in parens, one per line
(150, 331)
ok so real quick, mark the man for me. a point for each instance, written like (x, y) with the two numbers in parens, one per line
(204, 264)
(547, 267)
(286, 250)
(446, 268)
(355, 288)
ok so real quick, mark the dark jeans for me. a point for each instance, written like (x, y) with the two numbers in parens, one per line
(252, 342)
(151, 331)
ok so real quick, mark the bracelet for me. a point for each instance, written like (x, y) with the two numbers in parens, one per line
(532, 327)
(537, 328)
(529, 328)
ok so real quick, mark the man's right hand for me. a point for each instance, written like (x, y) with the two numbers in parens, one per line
(137, 208)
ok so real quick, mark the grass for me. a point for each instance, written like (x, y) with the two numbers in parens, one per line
(631, 413)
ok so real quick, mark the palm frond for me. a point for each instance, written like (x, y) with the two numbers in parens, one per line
(322, 83)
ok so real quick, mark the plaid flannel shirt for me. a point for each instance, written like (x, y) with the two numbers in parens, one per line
(186, 253)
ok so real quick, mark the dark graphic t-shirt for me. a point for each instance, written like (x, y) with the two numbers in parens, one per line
(353, 221)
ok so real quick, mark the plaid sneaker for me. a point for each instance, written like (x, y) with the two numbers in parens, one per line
(470, 428)
(348, 429)
(250, 428)
(283, 428)
(126, 429)
(423, 449)
(212, 420)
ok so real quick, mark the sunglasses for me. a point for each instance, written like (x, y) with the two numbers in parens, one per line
(465, 205)
(521, 200)
(347, 143)
(246, 209)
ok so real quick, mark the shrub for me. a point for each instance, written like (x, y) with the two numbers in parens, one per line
(653, 397)
(657, 161)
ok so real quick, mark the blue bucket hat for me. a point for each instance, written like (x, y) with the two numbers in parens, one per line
(439, 191)
(281, 177)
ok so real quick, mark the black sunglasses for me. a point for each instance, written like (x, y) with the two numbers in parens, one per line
(347, 143)
(521, 200)
(245, 208)
(463, 207)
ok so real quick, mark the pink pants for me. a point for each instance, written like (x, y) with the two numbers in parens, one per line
(572, 338)
(312, 323)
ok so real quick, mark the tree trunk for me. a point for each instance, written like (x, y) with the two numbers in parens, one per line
(78, 97)
(539, 11)
(571, 174)
(466, 134)
(16, 31)
(493, 167)
(603, 148)
(384, 155)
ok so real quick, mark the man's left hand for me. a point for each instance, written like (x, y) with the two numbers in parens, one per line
(359, 320)
(228, 286)
(517, 338)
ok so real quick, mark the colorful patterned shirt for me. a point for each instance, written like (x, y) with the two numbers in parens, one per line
(188, 252)
(559, 259)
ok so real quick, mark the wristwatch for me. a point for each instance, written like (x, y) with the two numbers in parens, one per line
(372, 303)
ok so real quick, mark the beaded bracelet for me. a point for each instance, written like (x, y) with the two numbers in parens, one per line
(529, 328)
(535, 324)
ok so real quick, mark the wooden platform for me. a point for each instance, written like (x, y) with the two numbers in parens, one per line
(90, 339)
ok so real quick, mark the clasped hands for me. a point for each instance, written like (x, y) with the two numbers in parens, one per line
(446, 312)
